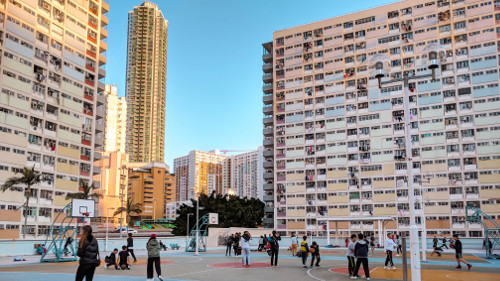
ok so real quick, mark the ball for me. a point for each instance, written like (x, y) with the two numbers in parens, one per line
(312, 250)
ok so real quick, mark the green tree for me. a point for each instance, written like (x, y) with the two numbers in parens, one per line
(233, 212)
(129, 209)
(29, 177)
(86, 192)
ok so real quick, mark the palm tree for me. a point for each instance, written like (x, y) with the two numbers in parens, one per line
(29, 177)
(130, 208)
(86, 192)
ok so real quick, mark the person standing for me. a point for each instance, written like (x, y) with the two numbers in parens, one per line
(304, 251)
(88, 251)
(245, 247)
(350, 255)
(275, 247)
(372, 244)
(229, 244)
(315, 254)
(130, 246)
(458, 252)
(236, 244)
(295, 244)
(153, 248)
(389, 246)
(361, 254)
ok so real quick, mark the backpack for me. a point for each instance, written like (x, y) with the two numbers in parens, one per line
(273, 243)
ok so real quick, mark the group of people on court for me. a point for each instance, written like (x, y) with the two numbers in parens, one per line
(88, 251)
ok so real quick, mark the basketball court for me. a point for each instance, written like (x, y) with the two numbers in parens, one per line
(214, 265)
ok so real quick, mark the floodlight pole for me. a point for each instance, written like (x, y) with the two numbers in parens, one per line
(196, 253)
(107, 223)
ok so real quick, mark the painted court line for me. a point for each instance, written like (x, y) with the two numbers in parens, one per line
(42, 276)
(312, 276)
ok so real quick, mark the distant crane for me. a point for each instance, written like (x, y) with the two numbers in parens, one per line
(228, 150)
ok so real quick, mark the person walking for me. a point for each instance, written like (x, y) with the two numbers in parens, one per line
(361, 254)
(399, 245)
(130, 246)
(236, 244)
(304, 251)
(295, 244)
(457, 244)
(350, 255)
(153, 248)
(229, 244)
(245, 247)
(315, 254)
(275, 247)
(88, 251)
(389, 246)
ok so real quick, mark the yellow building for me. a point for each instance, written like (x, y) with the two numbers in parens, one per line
(199, 172)
(113, 180)
(152, 185)
(116, 120)
(146, 83)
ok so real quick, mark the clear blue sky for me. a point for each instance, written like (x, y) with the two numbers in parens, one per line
(214, 69)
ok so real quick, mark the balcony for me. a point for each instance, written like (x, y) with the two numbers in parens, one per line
(268, 175)
(268, 89)
(268, 186)
(268, 198)
(267, 57)
(102, 73)
(268, 67)
(268, 164)
(267, 110)
(267, 99)
(268, 209)
(268, 142)
(267, 78)
(268, 131)
(268, 153)
(268, 121)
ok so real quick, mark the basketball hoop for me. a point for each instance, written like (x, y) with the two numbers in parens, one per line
(85, 214)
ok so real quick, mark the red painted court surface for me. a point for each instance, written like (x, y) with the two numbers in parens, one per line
(240, 265)
(329, 252)
(345, 270)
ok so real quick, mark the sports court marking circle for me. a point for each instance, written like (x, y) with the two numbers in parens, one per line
(240, 265)
(142, 262)
(345, 270)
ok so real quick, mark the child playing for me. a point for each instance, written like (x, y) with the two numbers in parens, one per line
(304, 251)
(315, 254)
(458, 252)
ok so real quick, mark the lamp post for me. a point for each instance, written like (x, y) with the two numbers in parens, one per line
(122, 183)
(432, 56)
(107, 223)
(187, 228)
(197, 224)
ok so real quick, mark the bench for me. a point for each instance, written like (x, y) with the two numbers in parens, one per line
(174, 246)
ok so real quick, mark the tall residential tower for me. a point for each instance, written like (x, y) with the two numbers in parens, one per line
(146, 82)
(339, 140)
(52, 57)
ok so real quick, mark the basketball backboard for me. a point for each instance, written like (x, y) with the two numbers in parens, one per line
(81, 208)
(213, 218)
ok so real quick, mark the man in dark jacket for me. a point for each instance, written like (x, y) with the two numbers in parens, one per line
(275, 247)
(361, 253)
(130, 246)
(111, 259)
(229, 244)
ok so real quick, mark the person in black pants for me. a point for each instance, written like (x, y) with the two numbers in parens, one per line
(153, 248)
(361, 253)
(229, 244)
(275, 247)
(130, 246)
(444, 243)
(457, 244)
(315, 254)
(88, 251)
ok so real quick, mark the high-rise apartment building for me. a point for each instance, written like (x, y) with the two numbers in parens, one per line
(146, 83)
(51, 63)
(246, 174)
(115, 120)
(198, 171)
(268, 142)
(152, 185)
(339, 140)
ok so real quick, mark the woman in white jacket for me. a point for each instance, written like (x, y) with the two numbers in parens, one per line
(245, 247)
(389, 246)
